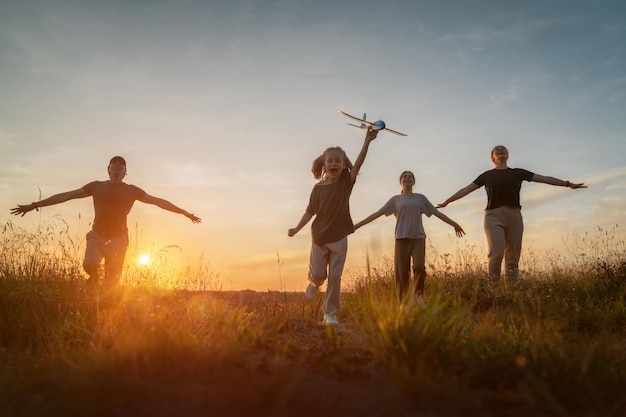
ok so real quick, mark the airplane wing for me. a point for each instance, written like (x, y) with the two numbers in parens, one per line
(393, 131)
(365, 122)
(355, 118)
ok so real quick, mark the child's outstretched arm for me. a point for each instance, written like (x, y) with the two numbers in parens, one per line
(368, 219)
(306, 217)
(459, 231)
(369, 136)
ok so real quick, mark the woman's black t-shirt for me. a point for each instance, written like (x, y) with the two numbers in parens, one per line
(503, 186)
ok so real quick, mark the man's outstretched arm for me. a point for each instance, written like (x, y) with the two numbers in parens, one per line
(50, 201)
(166, 205)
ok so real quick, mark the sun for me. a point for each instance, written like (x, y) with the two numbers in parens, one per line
(143, 259)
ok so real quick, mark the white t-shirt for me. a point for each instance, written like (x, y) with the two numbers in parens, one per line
(408, 209)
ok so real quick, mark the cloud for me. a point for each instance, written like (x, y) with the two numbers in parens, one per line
(194, 176)
(483, 35)
(613, 179)
(511, 93)
(611, 90)
(521, 86)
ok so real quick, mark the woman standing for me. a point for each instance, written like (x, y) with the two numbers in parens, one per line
(503, 221)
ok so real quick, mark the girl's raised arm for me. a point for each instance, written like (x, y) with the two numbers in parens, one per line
(369, 136)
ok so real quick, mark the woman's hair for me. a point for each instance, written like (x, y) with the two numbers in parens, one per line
(494, 149)
(318, 164)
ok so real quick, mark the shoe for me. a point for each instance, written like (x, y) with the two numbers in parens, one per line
(419, 301)
(330, 320)
(311, 291)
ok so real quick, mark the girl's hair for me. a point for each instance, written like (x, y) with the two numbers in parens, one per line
(406, 172)
(318, 163)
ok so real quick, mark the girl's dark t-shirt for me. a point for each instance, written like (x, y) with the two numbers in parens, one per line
(503, 186)
(330, 205)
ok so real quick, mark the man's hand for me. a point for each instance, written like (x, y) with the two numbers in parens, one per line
(24, 209)
(193, 217)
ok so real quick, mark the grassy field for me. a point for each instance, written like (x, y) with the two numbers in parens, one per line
(553, 345)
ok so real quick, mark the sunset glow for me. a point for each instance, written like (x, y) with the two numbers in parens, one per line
(144, 259)
(221, 107)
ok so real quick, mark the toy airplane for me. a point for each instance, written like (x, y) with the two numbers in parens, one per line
(378, 125)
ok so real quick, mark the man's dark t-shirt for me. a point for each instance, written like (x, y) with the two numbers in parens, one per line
(112, 203)
(503, 186)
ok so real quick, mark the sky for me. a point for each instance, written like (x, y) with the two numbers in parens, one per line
(221, 106)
